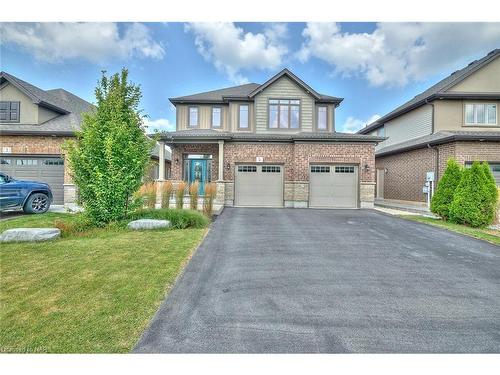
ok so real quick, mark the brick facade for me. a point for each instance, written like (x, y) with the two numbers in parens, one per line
(295, 157)
(405, 172)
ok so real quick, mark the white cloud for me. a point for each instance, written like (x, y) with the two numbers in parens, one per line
(161, 124)
(95, 42)
(352, 124)
(395, 54)
(231, 50)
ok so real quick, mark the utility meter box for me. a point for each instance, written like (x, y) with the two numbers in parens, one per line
(429, 176)
(425, 190)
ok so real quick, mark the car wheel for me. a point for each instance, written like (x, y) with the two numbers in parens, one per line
(37, 203)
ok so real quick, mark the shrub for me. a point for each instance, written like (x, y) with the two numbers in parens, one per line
(75, 224)
(147, 195)
(473, 200)
(108, 158)
(179, 194)
(492, 190)
(166, 192)
(208, 202)
(445, 190)
(179, 218)
(194, 188)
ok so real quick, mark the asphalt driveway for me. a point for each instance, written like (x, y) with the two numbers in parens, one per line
(307, 281)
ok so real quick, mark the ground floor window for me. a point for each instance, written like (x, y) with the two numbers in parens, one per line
(495, 169)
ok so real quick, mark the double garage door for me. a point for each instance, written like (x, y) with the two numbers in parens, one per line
(42, 169)
(330, 186)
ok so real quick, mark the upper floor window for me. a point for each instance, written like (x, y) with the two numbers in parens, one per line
(381, 131)
(322, 118)
(480, 114)
(9, 111)
(216, 117)
(243, 117)
(193, 117)
(284, 113)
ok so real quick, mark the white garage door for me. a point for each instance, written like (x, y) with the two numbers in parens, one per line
(333, 186)
(42, 169)
(258, 185)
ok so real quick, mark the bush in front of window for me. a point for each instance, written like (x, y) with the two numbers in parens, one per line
(442, 198)
(474, 201)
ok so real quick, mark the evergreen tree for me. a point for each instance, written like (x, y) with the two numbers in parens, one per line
(443, 196)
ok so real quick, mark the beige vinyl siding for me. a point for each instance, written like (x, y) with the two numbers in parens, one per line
(487, 79)
(204, 116)
(413, 124)
(45, 114)
(234, 108)
(28, 110)
(286, 89)
(450, 115)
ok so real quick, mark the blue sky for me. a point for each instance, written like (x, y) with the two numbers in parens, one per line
(375, 67)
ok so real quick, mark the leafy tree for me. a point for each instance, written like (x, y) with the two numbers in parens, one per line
(111, 152)
(473, 202)
(491, 186)
(440, 203)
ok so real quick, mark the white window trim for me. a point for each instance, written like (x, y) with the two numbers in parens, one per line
(475, 123)
(197, 117)
(220, 118)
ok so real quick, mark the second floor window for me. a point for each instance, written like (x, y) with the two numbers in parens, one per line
(284, 114)
(193, 117)
(216, 117)
(322, 118)
(9, 111)
(480, 114)
(243, 118)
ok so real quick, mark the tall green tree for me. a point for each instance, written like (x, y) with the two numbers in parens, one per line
(111, 152)
(441, 201)
(472, 203)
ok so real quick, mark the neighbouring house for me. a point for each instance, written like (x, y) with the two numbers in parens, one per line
(34, 123)
(271, 145)
(456, 118)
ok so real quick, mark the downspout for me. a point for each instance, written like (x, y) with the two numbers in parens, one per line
(429, 146)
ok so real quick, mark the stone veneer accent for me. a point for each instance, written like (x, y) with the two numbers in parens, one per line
(406, 171)
(296, 159)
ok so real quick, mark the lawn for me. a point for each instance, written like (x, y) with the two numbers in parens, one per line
(489, 235)
(90, 293)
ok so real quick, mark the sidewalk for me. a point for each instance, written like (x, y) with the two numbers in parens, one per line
(405, 206)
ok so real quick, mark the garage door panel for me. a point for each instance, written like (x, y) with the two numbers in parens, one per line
(333, 186)
(42, 169)
(259, 185)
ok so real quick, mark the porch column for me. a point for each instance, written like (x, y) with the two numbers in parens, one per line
(221, 160)
(161, 161)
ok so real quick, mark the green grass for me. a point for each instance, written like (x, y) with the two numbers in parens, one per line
(91, 293)
(489, 235)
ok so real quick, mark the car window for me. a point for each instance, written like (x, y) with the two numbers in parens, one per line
(3, 179)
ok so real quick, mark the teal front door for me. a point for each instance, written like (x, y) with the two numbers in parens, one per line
(198, 172)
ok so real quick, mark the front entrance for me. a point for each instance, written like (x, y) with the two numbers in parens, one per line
(198, 173)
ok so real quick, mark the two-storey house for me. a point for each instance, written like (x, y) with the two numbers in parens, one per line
(455, 118)
(272, 144)
(34, 124)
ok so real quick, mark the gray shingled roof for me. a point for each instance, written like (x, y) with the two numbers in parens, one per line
(439, 138)
(69, 105)
(247, 91)
(434, 91)
(210, 134)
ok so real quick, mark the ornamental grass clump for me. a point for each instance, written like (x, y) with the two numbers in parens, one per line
(193, 195)
(179, 194)
(166, 192)
(208, 202)
(147, 193)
